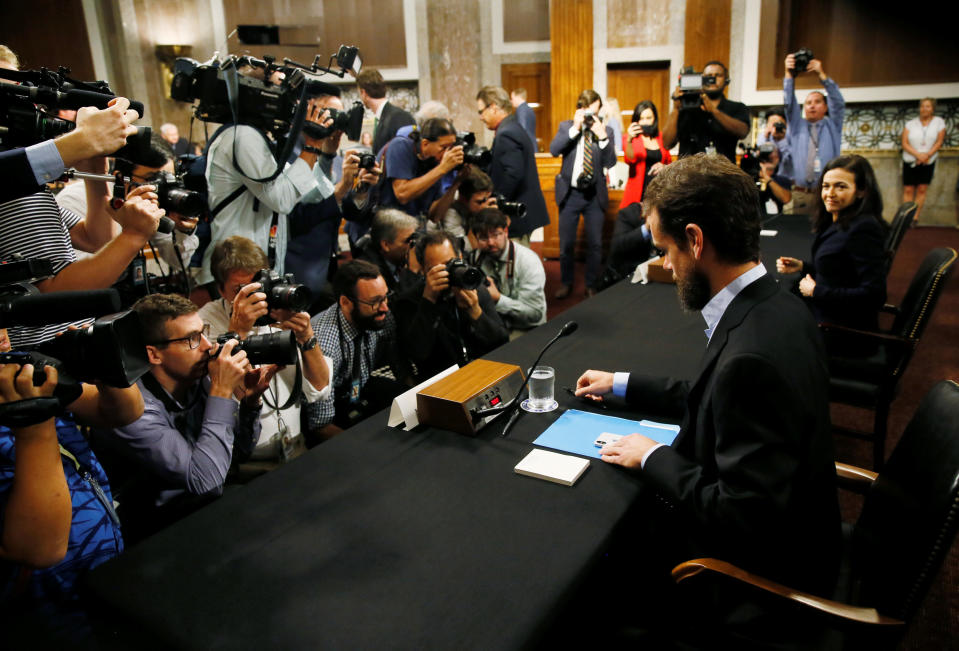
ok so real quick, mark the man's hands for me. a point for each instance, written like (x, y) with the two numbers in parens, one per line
(99, 132)
(255, 383)
(815, 65)
(227, 371)
(468, 299)
(249, 304)
(437, 282)
(16, 383)
(297, 322)
(807, 286)
(708, 104)
(594, 384)
(494, 292)
(140, 213)
(766, 170)
(786, 265)
(627, 451)
(452, 158)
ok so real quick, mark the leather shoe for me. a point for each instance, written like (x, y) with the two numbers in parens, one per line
(590, 292)
(563, 291)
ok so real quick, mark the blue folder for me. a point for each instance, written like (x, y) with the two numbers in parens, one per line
(576, 430)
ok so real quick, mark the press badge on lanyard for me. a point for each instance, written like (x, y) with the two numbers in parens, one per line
(355, 391)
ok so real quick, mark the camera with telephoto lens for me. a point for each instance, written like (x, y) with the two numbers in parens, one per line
(282, 293)
(473, 154)
(463, 275)
(589, 118)
(270, 348)
(367, 162)
(174, 196)
(803, 56)
(691, 84)
(510, 208)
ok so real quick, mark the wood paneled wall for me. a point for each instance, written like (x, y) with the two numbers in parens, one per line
(571, 67)
(525, 20)
(707, 32)
(48, 33)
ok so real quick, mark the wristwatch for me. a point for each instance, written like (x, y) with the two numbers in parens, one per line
(309, 345)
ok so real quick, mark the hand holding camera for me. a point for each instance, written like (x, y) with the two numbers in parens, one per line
(140, 213)
(468, 299)
(437, 282)
(227, 370)
(249, 305)
(296, 322)
(452, 158)
(633, 130)
(578, 118)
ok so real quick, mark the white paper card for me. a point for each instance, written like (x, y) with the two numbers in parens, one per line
(552, 466)
(641, 275)
(768, 233)
(403, 409)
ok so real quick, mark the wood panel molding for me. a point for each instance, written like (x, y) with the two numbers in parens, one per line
(571, 58)
(708, 24)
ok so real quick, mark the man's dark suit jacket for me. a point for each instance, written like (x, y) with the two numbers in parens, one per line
(392, 118)
(18, 178)
(603, 158)
(751, 478)
(514, 175)
(527, 120)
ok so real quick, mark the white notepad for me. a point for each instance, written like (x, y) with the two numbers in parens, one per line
(551, 466)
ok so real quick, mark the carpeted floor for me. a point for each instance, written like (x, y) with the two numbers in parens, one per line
(936, 626)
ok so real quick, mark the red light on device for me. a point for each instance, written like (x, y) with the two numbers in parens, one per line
(494, 401)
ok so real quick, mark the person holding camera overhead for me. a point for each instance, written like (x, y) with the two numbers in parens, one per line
(643, 150)
(713, 124)
(236, 263)
(453, 320)
(586, 146)
(815, 129)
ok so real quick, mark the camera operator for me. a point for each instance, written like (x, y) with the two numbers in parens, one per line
(191, 428)
(359, 335)
(55, 525)
(513, 168)
(516, 276)
(586, 146)
(475, 193)
(258, 210)
(314, 227)
(236, 260)
(815, 130)
(391, 237)
(447, 323)
(775, 189)
(419, 168)
(715, 126)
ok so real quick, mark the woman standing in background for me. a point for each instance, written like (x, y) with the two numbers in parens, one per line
(643, 151)
(921, 139)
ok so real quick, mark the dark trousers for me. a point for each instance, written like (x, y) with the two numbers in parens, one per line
(577, 204)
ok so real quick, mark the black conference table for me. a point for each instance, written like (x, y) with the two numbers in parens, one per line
(382, 538)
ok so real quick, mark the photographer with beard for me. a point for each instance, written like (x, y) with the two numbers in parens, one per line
(358, 334)
(715, 126)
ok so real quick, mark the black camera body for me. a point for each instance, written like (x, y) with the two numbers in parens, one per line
(512, 209)
(752, 157)
(779, 127)
(589, 119)
(282, 293)
(691, 85)
(803, 56)
(473, 154)
(271, 348)
(175, 197)
(367, 161)
(463, 275)
(349, 122)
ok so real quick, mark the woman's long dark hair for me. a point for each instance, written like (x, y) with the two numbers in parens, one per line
(638, 111)
(870, 203)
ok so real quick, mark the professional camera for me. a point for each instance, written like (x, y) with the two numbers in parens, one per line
(463, 275)
(271, 348)
(473, 154)
(27, 108)
(589, 118)
(174, 196)
(752, 157)
(367, 161)
(779, 127)
(349, 122)
(691, 85)
(803, 56)
(585, 182)
(512, 209)
(282, 293)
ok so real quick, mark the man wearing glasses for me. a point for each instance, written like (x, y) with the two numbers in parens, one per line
(391, 235)
(191, 428)
(358, 334)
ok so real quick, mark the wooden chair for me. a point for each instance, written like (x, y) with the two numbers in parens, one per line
(908, 522)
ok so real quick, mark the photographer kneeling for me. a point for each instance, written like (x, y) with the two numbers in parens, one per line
(236, 263)
(191, 428)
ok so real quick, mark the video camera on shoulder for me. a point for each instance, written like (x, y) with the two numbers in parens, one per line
(28, 107)
(282, 293)
(691, 85)
(349, 122)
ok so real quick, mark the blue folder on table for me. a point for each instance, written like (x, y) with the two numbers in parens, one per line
(576, 430)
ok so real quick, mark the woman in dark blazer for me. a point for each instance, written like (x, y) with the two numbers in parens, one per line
(845, 282)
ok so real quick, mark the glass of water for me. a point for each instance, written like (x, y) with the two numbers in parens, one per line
(541, 382)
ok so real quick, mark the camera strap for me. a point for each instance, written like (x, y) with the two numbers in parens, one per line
(295, 393)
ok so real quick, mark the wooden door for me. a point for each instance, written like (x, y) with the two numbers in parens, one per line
(631, 83)
(534, 77)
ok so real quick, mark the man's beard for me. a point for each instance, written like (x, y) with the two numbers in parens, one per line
(693, 290)
(364, 322)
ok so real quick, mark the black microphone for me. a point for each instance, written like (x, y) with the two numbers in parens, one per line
(566, 330)
(57, 307)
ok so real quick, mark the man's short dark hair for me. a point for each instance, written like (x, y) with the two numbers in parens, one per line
(488, 220)
(495, 95)
(433, 238)
(711, 192)
(776, 111)
(155, 310)
(344, 282)
(388, 222)
(721, 65)
(371, 81)
(435, 128)
(476, 181)
(158, 155)
(236, 253)
(520, 92)
(587, 97)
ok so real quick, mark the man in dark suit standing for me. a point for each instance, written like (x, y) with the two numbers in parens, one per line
(513, 168)
(387, 118)
(524, 114)
(750, 477)
(587, 149)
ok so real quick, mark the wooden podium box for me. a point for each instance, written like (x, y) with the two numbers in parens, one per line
(480, 384)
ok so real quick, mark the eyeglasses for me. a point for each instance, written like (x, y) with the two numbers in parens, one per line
(377, 302)
(483, 110)
(193, 339)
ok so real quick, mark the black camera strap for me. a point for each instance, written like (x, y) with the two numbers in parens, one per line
(295, 393)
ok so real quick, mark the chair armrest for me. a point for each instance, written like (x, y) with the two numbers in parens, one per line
(878, 337)
(844, 612)
(854, 478)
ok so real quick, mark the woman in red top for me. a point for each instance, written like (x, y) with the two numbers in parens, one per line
(644, 151)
